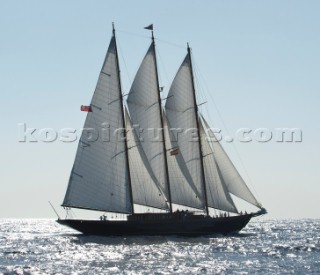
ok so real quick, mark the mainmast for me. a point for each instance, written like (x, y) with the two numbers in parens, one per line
(198, 130)
(123, 121)
(161, 119)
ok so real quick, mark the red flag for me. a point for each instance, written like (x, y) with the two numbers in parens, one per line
(85, 108)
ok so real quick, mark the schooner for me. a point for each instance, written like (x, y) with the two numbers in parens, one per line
(163, 170)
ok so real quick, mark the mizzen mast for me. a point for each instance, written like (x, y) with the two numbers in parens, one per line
(198, 131)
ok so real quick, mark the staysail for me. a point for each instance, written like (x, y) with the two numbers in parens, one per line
(145, 190)
(229, 174)
(183, 189)
(99, 179)
(217, 193)
(180, 110)
(144, 109)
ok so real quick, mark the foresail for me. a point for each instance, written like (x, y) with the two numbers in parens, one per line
(217, 193)
(180, 111)
(183, 189)
(144, 109)
(145, 190)
(99, 178)
(229, 174)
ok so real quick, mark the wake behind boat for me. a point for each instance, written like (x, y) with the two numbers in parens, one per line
(133, 170)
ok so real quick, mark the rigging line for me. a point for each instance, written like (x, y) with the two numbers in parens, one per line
(133, 34)
(170, 43)
(148, 37)
(125, 65)
(227, 131)
(199, 91)
(164, 67)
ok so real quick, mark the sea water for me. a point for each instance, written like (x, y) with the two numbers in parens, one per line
(266, 247)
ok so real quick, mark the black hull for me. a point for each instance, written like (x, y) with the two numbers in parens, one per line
(179, 227)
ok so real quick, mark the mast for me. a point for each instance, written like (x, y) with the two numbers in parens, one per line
(123, 122)
(198, 130)
(161, 119)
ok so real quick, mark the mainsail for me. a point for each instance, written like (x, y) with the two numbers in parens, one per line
(180, 110)
(144, 109)
(145, 190)
(229, 174)
(99, 179)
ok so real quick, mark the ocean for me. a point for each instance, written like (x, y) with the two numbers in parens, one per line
(31, 246)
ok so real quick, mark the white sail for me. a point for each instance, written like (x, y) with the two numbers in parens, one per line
(99, 178)
(183, 190)
(229, 174)
(144, 109)
(180, 111)
(217, 194)
(145, 191)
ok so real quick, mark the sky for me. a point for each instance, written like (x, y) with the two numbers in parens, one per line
(257, 65)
